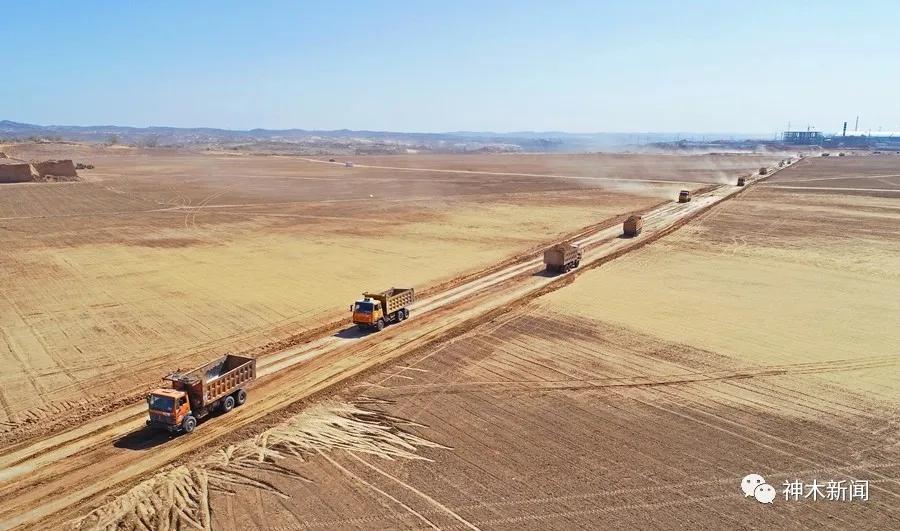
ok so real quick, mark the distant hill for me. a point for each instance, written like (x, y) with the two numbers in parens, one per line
(341, 140)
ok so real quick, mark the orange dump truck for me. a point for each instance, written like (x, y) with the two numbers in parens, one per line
(562, 257)
(376, 310)
(742, 181)
(216, 386)
(633, 226)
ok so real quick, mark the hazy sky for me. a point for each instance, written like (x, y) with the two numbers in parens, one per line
(748, 66)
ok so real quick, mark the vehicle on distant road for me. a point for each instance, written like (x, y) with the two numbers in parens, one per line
(376, 310)
(684, 196)
(562, 257)
(633, 226)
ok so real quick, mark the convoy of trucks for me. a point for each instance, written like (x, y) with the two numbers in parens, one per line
(216, 386)
(562, 257)
(221, 384)
(376, 310)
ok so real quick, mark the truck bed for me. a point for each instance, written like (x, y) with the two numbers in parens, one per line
(560, 255)
(393, 299)
(216, 379)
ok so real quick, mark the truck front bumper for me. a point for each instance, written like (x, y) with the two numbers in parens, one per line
(159, 425)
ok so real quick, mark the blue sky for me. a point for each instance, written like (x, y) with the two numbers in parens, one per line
(446, 66)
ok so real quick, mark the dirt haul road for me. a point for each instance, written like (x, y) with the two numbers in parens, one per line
(505, 173)
(44, 482)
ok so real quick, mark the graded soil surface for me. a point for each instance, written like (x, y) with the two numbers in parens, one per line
(757, 338)
(162, 259)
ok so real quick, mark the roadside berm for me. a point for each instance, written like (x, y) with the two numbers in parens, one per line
(18, 171)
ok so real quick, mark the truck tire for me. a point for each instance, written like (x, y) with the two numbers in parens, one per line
(240, 397)
(227, 404)
(405, 313)
(577, 263)
(400, 316)
(189, 423)
(380, 325)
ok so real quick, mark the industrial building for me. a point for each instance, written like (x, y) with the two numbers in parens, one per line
(852, 139)
(803, 138)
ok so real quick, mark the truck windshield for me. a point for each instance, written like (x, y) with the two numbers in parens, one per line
(365, 307)
(161, 403)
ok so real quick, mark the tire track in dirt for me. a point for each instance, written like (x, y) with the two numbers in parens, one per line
(506, 174)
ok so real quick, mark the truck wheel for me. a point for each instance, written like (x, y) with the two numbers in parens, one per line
(227, 404)
(189, 423)
(380, 325)
(400, 316)
(405, 313)
(577, 263)
(240, 397)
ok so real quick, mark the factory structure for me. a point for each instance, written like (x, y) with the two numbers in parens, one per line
(851, 139)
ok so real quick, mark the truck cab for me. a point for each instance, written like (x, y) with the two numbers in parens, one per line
(378, 309)
(167, 408)
(367, 312)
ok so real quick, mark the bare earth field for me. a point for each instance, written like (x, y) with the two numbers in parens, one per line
(759, 338)
(165, 258)
(851, 175)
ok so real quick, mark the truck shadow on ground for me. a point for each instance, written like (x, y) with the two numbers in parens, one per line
(354, 332)
(547, 274)
(143, 439)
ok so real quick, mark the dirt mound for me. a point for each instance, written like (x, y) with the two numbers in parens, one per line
(15, 171)
(55, 168)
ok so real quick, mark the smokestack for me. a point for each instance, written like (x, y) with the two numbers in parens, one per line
(856, 127)
(845, 129)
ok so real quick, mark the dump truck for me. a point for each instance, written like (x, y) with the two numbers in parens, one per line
(763, 171)
(376, 310)
(633, 226)
(742, 181)
(562, 257)
(220, 385)
(684, 196)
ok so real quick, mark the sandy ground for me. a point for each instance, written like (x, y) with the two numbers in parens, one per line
(164, 258)
(856, 174)
(56, 477)
(759, 338)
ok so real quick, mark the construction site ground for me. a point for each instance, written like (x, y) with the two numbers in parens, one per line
(635, 392)
(166, 258)
(759, 338)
